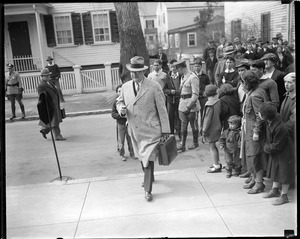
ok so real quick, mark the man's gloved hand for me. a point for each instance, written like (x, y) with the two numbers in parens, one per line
(188, 110)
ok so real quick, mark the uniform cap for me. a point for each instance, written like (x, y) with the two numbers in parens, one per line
(270, 56)
(10, 65)
(49, 58)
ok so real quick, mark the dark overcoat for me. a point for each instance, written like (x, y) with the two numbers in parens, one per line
(53, 99)
(279, 146)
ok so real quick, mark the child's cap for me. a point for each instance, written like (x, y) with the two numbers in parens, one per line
(211, 90)
(235, 119)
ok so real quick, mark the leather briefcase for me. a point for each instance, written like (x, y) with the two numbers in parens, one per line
(167, 151)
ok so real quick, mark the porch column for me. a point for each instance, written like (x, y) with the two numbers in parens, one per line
(108, 76)
(78, 78)
(39, 32)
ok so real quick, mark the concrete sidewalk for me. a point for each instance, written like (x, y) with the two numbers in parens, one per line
(187, 203)
(79, 104)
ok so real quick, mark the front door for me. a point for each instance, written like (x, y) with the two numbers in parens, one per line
(20, 45)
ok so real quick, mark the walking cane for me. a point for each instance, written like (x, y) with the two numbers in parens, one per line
(48, 115)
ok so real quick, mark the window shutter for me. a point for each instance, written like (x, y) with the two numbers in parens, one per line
(49, 27)
(77, 29)
(87, 28)
(265, 26)
(114, 27)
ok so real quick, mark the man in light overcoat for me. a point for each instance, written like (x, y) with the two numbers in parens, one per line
(143, 102)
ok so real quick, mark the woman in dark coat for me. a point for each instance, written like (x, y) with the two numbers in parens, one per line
(253, 131)
(53, 102)
(279, 147)
(229, 104)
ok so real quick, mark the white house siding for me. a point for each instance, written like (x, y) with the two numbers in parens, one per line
(84, 54)
(81, 7)
(247, 11)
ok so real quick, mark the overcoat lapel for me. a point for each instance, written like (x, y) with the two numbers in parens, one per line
(141, 92)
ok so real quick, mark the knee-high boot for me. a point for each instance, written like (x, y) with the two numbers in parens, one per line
(181, 147)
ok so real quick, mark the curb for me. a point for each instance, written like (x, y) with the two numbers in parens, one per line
(71, 114)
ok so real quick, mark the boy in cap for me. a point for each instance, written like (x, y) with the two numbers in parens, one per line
(211, 126)
(13, 90)
(55, 76)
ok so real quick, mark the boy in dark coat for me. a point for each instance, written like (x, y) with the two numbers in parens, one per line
(230, 141)
(281, 152)
(121, 130)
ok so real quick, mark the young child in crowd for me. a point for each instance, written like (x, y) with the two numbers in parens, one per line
(230, 141)
(211, 125)
(279, 146)
(121, 130)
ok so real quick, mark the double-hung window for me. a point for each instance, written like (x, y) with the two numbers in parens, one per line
(191, 39)
(101, 27)
(63, 29)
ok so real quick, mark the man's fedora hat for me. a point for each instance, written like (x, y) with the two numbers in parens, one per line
(252, 38)
(10, 65)
(45, 72)
(278, 35)
(228, 50)
(136, 64)
(49, 58)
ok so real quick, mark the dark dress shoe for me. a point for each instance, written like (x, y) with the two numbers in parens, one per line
(245, 175)
(248, 180)
(12, 117)
(148, 196)
(258, 189)
(60, 139)
(193, 146)
(249, 185)
(180, 149)
(44, 132)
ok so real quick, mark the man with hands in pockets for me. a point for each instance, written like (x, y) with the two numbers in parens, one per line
(142, 101)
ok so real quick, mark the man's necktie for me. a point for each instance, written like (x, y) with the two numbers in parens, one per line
(137, 88)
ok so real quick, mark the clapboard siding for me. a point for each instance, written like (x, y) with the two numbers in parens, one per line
(251, 11)
(80, 7)
(84, 54)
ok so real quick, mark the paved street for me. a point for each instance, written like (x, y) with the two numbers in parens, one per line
(89, 151)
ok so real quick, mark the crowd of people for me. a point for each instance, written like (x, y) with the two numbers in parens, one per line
(243, 103)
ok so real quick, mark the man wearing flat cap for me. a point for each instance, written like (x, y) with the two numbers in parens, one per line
(55, 76)
(270, 61)
(142, 101)
(13, 90)
(189, 105)
(48, 89)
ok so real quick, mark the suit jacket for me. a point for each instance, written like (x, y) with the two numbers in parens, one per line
(169, 86)
(210, 64)
(147, 117)
(278, 77)
(53, 102)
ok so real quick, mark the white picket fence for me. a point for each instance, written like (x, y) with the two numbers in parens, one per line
(78, 81)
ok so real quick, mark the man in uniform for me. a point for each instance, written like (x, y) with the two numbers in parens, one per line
(189, 105)
(13, 90)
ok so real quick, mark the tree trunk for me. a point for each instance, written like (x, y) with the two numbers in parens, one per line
(132, 41)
